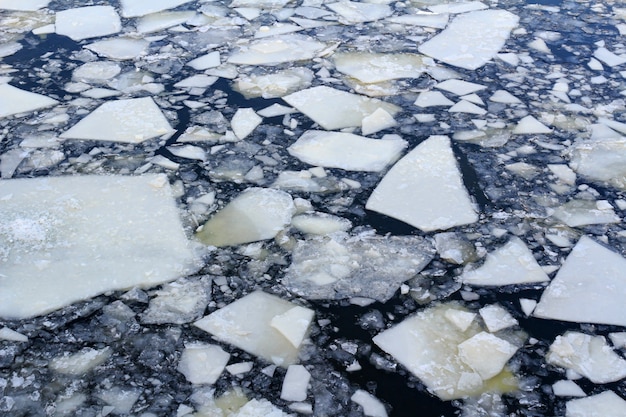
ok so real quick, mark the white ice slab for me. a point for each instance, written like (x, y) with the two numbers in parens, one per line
(374, 68)
(377, 121)
(497, 318)
(589, 356)
(162, 20)
(210, 60)
(255, 214)
(351, 12)
(472, 39)
(605, 404)
(425, 189)
(577, 213)
(202, 363)
(590, 287)
(276, 50)
(602, 160)
(459, 87)
(465, 106)
(510, 264)
(529, 125)
(457, 7)
(88, 22)
(81, 362)
(132, 120)
(244, 122)
(136, 8)
(486, 354)
(346, 150)
(609, 58)
(120, 48)
(320, 223)
(246, 323)
(14, 101)
(347, 110)
(23, 5)
(295, 384)
(502, 96)
(293, 324)
(432, 99)
(434, 20)
(372, 407)
(567, 388)
(276, 84)
(259, 408)
(96, 71)
(63, 238)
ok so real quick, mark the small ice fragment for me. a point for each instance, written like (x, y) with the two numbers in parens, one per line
(457, 7)
(609, 58)
(120, 48)
(23, 5)
(121, 400)
(374, 68)
(295, 384)
(605, 404)
(162, 20)
(276, 50)
(202, 363)
(88, 22)
(527, 305)
(496, 318)
(577, 213)
(96, 71)
(432, 98)
(259, 408)
(529, 125)
(14, 101)
(460, 318)
(377, 121)
(351, 12)
(12, 335)
(564, 173)
(486, 354)
(136, 8)
(239, 368)
(80, 362)
(567, 388)
(293, 325)
(372, 406)
(244, 122)
(602, 160)
(459, 87)
(465, 106)
(320, 223)
(502, 96)
(275, 84)
(618, 339)
(210, 60)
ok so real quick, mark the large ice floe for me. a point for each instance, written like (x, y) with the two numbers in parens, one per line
(267, 208)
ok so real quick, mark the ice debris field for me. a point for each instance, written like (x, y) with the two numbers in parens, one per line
(345, 208)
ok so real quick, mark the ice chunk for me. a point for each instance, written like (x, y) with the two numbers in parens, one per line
(372, 406)
(472, 39)
(374, 68)
(618, 339)
(340, 266)
(510, 264)
(179, 302)
(247, 324)
(502, 96)
(259, 408)
(566, 388)
(428, 345)
(136, 8)
(563, 173)
(120, 399)
(81, 362)
(120, 48)
(276, 50)
(244, 122)
(163, 20)
(457, 7)
(132, 120)
(433, 20)
(347, 110)
(346, 150)
(590, 287)
(455, 248)
(459, 87)
(23, 5)
(12, 335)
(529, 125)
(602, 160)
(576, 213)
(293, 324)
(609, 58)
(256, 214)
(527, 305)
(240, 368)
(96, 71)
(14, 101)
(425, 189)
(65, 237)
(431, 99)
(88, 22)
(496, 318)
(320, 223)
(605, 404)
(202, 363)
(277, 84)
(199, 80)
(589, 356)
(210, 60)
(486, 354)
(377, 121)
(465, 106)
(295, 384)
(351, 12)
(460, 318)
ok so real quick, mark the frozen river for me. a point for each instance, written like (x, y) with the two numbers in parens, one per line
(308, 207)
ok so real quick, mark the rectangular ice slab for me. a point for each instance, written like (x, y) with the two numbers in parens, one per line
(66, 239)
(472, 39)
(88, 22)
(425, 189)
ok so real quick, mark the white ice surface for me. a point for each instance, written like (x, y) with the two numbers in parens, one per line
(244, 122)
(293, 324)
(246, 323)
(602, 160)
(372, 407)
(66, 239)
(425, 189)
(162, 20)
(459, 87)
(496, 318)
(80, 362)
(88, 22)
(130, 120)
(605, 404)
(577, 213)
(276, 50)
(567, 388)
(352, 12)
(590, 287)
(120, 48)
(346, 150)
(510, 264)
(486, 354)
(259, 408)
(472, 39)
(530, 125)
(295, 384)
(202, 363)
(135, 8)
(14, 101)
(275, 84)
(432, 98)
(373, 68)
(23, 5)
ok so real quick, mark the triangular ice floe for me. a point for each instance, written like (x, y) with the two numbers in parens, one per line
(529, 125)
(88, 22)
(14, 101)
(136, 8)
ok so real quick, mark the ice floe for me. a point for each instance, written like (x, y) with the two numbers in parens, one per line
(276, 50)
(80, 362)
(295, 384)
(202, 363)
(120, 48)
(277, 84)
(472, 39)
(425, 189)
(23, 5)
(372, 406)
(351, 12)
(88, 22)
(605, 404)
(64, 237)
(346, 150)
(15, 101)
(247, 324)
(601, 160)
(135, 8)
(374, 68)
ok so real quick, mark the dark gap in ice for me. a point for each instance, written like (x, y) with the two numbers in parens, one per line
(470, 178)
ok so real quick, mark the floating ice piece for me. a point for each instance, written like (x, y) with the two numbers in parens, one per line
(576, 213)
(274, 85)
(120, 399)
(566, 388)
(430, 347)
(276, 50)
(12, 335)
(347, 110)
(246, 323)
(434, 20)
(276, 29)
(256, 214)
(502, 96)
(563, 173)
(88, 22)
(589, 356)
(132, 120)
(120, 48)
(320, 223)
(510, 264)
(351, 12)
(372, 407)
(81, 362)
(189, 152)
(496, 318)
(609, 58)
(472, 39)
(529, 125)
(346, 150)
(605, 404)
(96, 71)
(136, 8)
(590, 287)
(340, 266)
(65, 237)
(425, 189)
(163, 20)
(295, 384)
(196, 81)
(14, 101)
(374, 68)
(210, 60)
(459, 87)
(202, 363)
(293, 324)
(602, 160)
(465, 106)
(460, 318)
(460, 7)
(377, 121)
(618, 339)
(179, 302)
(259, 408)
(9, 48)
(23, 5)
(244, 122)
(432, 98)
